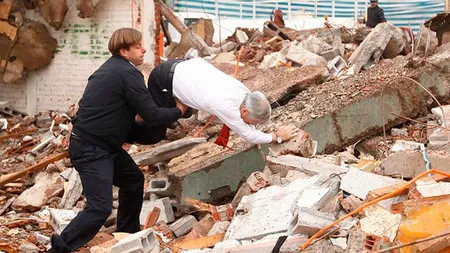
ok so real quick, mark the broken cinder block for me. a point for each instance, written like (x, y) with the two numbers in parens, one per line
(183, 226)
(143, 241)
(309, 221)
(163, 204)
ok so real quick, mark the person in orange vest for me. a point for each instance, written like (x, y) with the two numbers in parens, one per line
(277, 18)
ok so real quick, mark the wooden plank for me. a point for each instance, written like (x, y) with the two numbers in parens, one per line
(200, 243)
(402, 206)
(201, 206)
(14, 135)
(18, 223)
(6, 205)
(4, 179)
(152, 218)
(437, 244)
(8, 30)
(5, 9)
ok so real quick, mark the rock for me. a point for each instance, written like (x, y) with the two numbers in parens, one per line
(143, 241)
(59, 219)
(47, 186)
(304, 57)
(72, 191)
(224, 57)
(315, 45)
(28, 248)
(308, 221)
(411, 163)
(301, 145)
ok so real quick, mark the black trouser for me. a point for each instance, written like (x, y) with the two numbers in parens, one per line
(99, 170)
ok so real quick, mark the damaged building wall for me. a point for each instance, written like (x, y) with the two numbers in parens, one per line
(82, 48)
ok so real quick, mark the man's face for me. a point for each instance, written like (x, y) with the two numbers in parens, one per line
(135, 54)
(373, 4)
(245, 116)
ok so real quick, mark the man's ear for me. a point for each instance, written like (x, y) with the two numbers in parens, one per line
(123, 52)
(243, 110)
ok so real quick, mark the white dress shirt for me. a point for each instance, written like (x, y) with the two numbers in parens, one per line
(200, 85)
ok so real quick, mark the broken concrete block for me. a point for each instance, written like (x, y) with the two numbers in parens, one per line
(373, 46)
(47, 186)
(301, 145)
(163, 204)
(72, 191)
(411, 163)
(167, 151)
(219, 228)
(227, 244)
(183, 225)
(331, 54)
(272, 60)
(315, 45)
(379, 221)
(316, 198)
(304, 57)
(333, 206)
(308, 221)
(432, 189)
(399, 131)
(340, 242)
(240, 36)
(274, 205)
(59, 219)
(359, 183)
(401, 145)
(28, 248)
(336, 65)
(143, 241)
(161, 185)
(257, 180)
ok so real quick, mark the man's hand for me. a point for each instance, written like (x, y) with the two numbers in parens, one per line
(287, 132)
(180, 106)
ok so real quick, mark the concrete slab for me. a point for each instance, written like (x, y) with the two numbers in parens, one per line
(274, 205)
(309, 166)
(167, 151)
(411, 163)
(359, 183)
(72, 191)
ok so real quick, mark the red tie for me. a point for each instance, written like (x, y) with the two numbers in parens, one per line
(222, 138)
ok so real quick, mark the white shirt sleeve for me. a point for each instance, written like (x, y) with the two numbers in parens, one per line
(232, 118)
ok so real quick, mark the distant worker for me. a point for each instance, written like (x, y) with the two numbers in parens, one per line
(277, 18)
(375, 14)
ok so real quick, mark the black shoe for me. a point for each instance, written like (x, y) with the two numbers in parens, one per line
(58, 245)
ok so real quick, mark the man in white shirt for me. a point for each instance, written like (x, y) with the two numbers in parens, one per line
(199, 85)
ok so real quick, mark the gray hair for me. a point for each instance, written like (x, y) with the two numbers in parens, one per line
(258, 106)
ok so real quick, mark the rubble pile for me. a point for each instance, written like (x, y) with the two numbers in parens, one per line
(340, 186)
